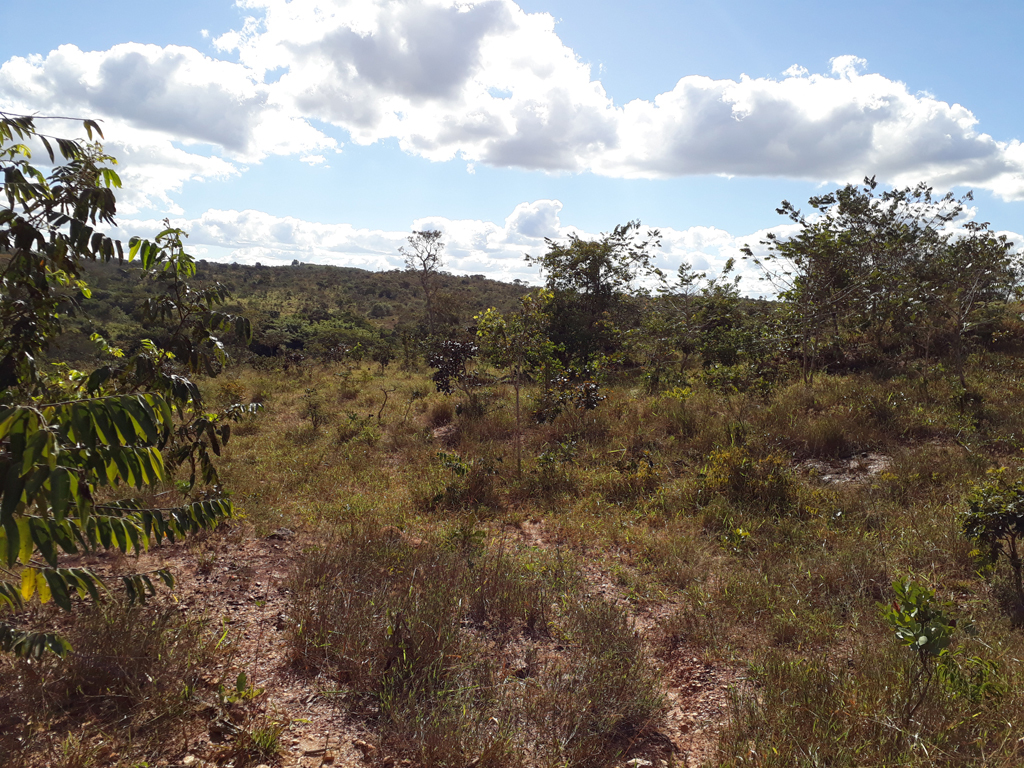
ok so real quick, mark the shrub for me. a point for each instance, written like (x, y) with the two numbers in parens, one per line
(439, 413)
(995, 521)
(760, 484)
(135, 669)
(604, 697)
(428, 641)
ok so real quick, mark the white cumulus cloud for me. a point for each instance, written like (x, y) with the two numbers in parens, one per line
(161, 110)
(491, 83)
(486, 82)
(473, 246)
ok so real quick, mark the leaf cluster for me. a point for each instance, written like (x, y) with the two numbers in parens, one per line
(64, 433)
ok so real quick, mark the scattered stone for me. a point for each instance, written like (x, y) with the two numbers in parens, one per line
(639, 762)
(189, 760)
(366, 748)
(282, 534)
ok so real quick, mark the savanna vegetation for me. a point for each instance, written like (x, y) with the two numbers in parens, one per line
(420, 519)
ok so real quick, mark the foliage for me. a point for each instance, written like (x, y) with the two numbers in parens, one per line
(761, 483)
(995, 522)
(594, 290)
(884, 273)
(314, 410)
(65, 434)
(424, 258)
(573, 388)
(517, 342)
(923, 624)
(919, 621)
(451, 359)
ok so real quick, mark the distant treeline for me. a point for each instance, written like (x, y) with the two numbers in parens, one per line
(305, 309)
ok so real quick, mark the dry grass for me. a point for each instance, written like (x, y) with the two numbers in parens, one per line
(452, 637)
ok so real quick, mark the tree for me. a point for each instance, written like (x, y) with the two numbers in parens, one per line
(517, 342)
(66, 433)
(593, 284)
(880, 269)
(424, 257)
(965, 286)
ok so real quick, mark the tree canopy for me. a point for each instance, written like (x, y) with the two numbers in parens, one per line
(594, 285)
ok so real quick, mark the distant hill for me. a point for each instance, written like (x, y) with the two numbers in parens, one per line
(306, 307)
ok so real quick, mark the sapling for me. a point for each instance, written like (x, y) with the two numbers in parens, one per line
(923, 624)
(995, 522)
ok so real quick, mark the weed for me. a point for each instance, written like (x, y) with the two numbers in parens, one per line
(762, 485)
(314, 410)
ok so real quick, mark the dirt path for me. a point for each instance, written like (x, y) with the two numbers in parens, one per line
(241, 584)
(697, 690)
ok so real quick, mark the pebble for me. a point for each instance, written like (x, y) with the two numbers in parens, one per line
(364, 747)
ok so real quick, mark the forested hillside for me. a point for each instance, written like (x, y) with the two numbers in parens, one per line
(304, 308)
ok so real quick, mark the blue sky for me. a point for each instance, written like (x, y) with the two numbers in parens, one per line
(327, 131)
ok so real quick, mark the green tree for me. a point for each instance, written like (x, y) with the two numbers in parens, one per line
(995, 522)
(595, 295)
(886, 272)
(517, 342)
(424, 257)
(966, 286)
(64, 433)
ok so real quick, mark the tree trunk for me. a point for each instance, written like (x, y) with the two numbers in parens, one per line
(519, 430)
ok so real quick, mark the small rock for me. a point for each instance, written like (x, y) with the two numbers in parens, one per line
(189, 760)
(282, 534)
(366, 748)
(638, 762)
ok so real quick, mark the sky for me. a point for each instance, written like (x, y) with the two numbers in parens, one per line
(329, 130)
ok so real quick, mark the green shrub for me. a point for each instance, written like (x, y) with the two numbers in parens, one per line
(761, 485)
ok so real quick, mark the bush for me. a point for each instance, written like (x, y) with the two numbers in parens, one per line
(761, 485)
(136, 669)
(433, 643)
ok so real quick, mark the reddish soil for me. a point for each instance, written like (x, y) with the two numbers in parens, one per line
(240, 582)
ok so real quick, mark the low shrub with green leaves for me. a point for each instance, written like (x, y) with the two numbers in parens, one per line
(995, 522)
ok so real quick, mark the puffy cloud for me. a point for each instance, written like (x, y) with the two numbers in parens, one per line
(472, 246)
(160, 108)
(484, 80)
(491, 83)
(488, 83)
